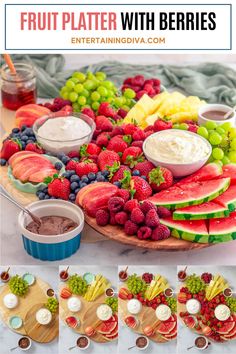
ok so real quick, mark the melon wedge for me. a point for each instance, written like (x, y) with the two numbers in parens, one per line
(222, 230)
(230, 171)
(207, 210)
(228, 198)
(206, 173)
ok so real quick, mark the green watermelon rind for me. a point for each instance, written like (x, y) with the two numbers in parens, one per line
(178, 215)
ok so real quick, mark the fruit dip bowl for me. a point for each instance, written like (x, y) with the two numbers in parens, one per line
(55, 243)
(63, 132)
(182, 152)
(216, 113)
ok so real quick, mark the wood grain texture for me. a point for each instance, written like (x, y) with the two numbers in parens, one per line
(36, 331)
(149, 318)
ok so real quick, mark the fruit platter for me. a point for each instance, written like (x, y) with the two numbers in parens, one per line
(148, 307)
(89, 306)
(149, 168)
(28, 306)
(207, 306)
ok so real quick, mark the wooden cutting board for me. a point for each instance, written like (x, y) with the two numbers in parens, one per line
(37, 294)
(149, 319)
(37, 332)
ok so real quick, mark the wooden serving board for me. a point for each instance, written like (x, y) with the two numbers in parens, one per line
(37, 332)
(37, 294)
(149, 318)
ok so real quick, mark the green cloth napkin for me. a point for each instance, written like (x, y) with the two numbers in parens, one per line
(213, 82)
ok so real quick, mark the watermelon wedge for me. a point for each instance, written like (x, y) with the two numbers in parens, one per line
(222, 230)
(206, 173)
(207, 210)
(228, 198)
(227, 326)
(166, 327)
(192, 193)
(230, 171)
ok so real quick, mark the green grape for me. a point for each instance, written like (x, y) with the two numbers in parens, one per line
(103, 91)
(210, 125)
(109, 99)
(80, 76)
(128, 101)
(77, 285)
(63, 89)
(74, 79)
(73, 96)
(225, 160)
(232, 133)
(176, 126)
(85, 93)
(90, 75)
(136, 285)
(129, 93)
(232, 156)
(119, 101)
(110, 93)
(76, 107)
(233, 144)
(89, 85)
(108, 84)
(226, 126)
(70, 84)
(183, 126)
(65, 95)
(195, 284)
(215, 138)
(172, 303)
(224, 142)
(82, 100)
(218, 162)
(95, 96)
(218, 153)
(52, 305)
(113, 303)
(125, 108)
(101, 76)
(220, 130)
(231, 303)
(18, 285)
(203, 132)
(78, 88)
(95, 106)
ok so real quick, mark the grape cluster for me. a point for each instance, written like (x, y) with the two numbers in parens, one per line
(77, 285)
(231, 303)
(206, 277)
(18, 286)
(223, 140)
(52, 304)
(113, 303)
(147, 277)
(89, 90)
(195, 284)
(172, 303)
(136, 285)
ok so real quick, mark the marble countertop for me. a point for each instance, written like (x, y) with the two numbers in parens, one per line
(8, 338)
(67, 336)
(127, 337)
(186, 337)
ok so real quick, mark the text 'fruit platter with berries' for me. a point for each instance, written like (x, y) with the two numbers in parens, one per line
(29, 307)
(207, 305)
(147, 306)
(149, 168)
(89, 306)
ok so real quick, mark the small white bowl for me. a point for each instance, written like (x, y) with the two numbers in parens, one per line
(88, 345)
(179, 169)
(147, 345)
(29, 346)
(215, 107)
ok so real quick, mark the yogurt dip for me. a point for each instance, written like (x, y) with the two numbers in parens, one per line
(134, 306)
(104, 312)
(222, 312)
(163, 312)
(74, 304)
(10, 301)
(193, 306)
(43, 316)
(177, 147)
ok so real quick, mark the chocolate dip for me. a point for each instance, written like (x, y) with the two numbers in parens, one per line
(52, 225)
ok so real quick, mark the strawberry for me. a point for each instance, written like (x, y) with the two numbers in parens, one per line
(59, 187)
(106, 110)
(132, 155)
(107, 158)
(73, 154)
(89, 112)
(130, 129)
(85, 167)
(117, 172)
(138, 143)
(160, 178)
(103, 139)
(35, 148)
(117, 130)
(9, 148)
(139, 135)
(144, 167)
(71, 165)
(139, 188)
(89, 149)
(118, 143)
(122, 113)
(66, 109)
(103, 124)
(161, 124)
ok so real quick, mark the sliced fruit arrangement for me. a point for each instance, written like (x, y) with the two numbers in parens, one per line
(147, 306)
(207, 305)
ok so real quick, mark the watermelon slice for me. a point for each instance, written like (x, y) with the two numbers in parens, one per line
(166, 327)
(230, 171)
(172, 333)
(227, 326)
(222, 230)
(232, 333)
(192, 193)
(207, 210)
(107, 327)
(228, 198)
(206, 173)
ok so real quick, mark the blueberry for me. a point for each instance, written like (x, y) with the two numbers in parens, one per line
(16, 135)
(24, 138)
(74, 178)
(41, 196)
(60, 155)
(105, 173)
(117, 184)
(75, 159)
(28, 131)
(82, 184)
(77, 190)
(66, 174)
(33, 139)
(84, 179)
(58, 166)
(45, 190)
(65, 159)
(91, 176)
(3, 162)
(74, 185)
(47, 196)
(71, 173)
(15, 130)
(101, 179)
(29, 142)
(23, 145)
(144, 177)
(135, 173)
(23, 127)
(72, 197)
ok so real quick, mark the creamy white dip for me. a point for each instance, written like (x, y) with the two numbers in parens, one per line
(74, 304)
(104, 312)
(222, 312)
(134, 306)
(193, 306)
(43, 316)
(10, 301)
(163, 312)
(176, 146)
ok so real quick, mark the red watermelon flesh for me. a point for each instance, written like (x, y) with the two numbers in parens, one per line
(172, 333)
(206, 173)
(111, 338)
(227, 326)
(223, 226)
(166, 327)
(230, 171)
(190, 321)
(113, 333)
(232, 333)
(228, 198)
(107, 327)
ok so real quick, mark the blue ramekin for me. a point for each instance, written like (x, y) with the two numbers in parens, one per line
(53, 247)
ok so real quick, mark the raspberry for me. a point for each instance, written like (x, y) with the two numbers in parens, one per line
(206, 277)
(163, 212)
(137, 216)
(124, 194)
(71, 165)
(140, 94)
(131, 204)
(161, 232)
(138, 135)
(112, 219)
(102, 217)
(131, 228)
(138, 80)
(146, 206)
(116, 204)
(152, 219)
(138, 143)
(121, 218)
(144, 233)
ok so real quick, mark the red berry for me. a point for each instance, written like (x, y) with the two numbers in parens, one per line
(140, 94)
(117, 144)
(107, 158)
(117, 130)
(122, 113)
(132, 155)
(160, 178)
(146, 206)
(35, 148)
(116, 204)
(117, 172)
(71, 165)
(144, 167)
(144, 233)
(9, 148)
(106, 110)
(112, 219)
(163, 212)
(89, 112)
(131, 204)
(131, 228)
(102, 217)
(59, 188)
(124, 194)
(121, 218)
(130, 129)
(162, 125)
(139, 135)
(161, 232)
(104, 124)
(137, 216)
(85, 167)
(152, 219)
(138, 144)
(73, 154)
(103, 139)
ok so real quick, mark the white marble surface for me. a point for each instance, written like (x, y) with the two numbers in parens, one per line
(127, 337)
(186, 337)
(8, 338)
(67, 336)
